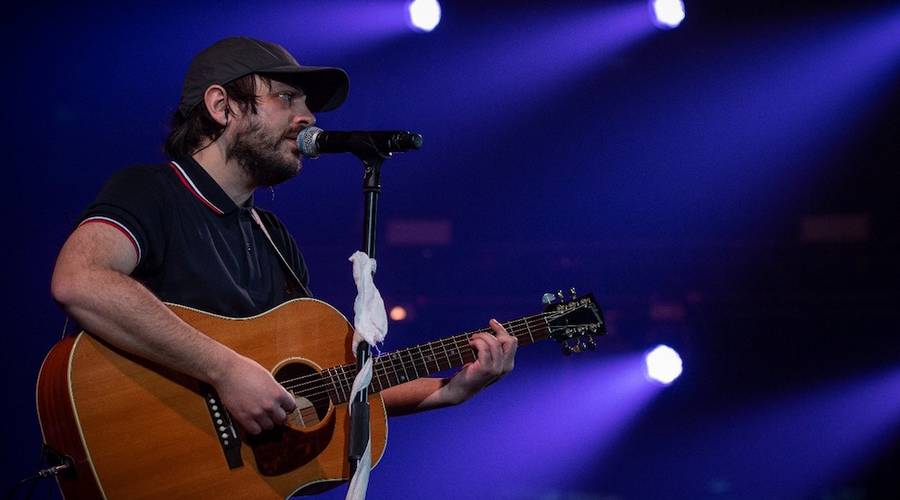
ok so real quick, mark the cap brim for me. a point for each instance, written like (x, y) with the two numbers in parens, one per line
(325, 88)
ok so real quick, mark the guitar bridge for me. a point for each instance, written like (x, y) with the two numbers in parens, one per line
(224, 429)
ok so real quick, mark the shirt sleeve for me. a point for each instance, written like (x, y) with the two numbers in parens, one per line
(132, 202)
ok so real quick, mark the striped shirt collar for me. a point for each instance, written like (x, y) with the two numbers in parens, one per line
(204, 188)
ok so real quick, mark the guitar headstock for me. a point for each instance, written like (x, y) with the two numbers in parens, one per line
(574, 322)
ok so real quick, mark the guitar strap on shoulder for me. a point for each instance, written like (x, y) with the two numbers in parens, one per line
(284, 262)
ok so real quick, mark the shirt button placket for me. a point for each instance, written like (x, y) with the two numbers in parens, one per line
(247, 229)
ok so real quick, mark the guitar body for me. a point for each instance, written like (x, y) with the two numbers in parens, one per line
(136, 430)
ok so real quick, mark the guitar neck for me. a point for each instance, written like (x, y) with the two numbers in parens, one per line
(425, 359)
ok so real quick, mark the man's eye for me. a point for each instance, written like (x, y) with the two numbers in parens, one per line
(286, 97)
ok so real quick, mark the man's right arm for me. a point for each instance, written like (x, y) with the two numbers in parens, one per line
(91, 281)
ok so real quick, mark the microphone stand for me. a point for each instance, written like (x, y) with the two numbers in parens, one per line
(359, 418)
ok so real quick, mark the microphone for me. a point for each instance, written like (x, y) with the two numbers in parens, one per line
(314, 141)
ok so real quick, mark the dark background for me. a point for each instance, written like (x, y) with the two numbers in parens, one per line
(728, 188)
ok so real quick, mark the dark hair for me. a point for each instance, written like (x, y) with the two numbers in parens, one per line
(186, 134)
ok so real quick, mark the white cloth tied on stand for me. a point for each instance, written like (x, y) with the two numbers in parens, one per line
(370, 324)
(369, 318)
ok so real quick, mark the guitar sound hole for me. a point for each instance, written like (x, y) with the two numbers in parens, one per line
(309, 390)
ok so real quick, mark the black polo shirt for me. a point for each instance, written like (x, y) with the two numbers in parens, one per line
(195, 246)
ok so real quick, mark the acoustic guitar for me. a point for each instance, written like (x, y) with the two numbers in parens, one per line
(131, 429)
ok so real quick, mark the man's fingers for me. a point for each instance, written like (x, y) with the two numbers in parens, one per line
(265, 422)
(279, 416)
(490, 342)
(507, 342)
(493, 363)
(498, 328)
(482, 348)
(495, 347)
(251, 426)
(287, 402)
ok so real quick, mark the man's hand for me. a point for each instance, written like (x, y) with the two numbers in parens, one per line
(496, 355)
(496, 358)
(254, 398)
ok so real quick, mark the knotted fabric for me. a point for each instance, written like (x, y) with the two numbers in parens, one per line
(370, 325)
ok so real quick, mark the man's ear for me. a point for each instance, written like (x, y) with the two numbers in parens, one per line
(216, 101)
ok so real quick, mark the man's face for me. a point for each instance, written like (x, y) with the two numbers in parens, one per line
(265, 143)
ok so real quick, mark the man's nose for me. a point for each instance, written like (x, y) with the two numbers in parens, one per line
(304, 117)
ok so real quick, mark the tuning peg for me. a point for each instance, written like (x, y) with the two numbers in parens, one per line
(548, 299)
(572, 291)
(559, 295)
(566, 349)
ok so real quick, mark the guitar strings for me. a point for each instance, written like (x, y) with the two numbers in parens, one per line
(341, 388)
(323, 397)
(340, 380)
(457, 341)
(346, 373)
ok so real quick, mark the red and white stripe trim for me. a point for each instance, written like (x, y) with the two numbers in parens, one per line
(188, 183)
(121, 227)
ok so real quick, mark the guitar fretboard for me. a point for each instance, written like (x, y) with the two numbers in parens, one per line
(401, 366)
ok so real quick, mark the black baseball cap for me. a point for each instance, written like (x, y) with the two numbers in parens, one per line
(235, 57)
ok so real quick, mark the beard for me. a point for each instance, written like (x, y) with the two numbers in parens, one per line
(258, 154)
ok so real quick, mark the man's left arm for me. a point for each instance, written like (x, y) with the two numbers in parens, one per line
(496, 356)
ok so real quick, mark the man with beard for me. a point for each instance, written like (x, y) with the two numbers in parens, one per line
(187, 232)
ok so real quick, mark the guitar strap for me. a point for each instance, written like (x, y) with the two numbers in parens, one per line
(284, 261)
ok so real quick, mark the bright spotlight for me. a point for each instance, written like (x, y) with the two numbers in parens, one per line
(424, 15)
(667, 14)
(663, 364)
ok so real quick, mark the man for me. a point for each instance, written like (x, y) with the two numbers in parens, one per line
(187, 232)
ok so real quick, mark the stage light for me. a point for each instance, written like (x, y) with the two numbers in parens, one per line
(398, 313)
(663, 364)
(667, 14)
(424, 15)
